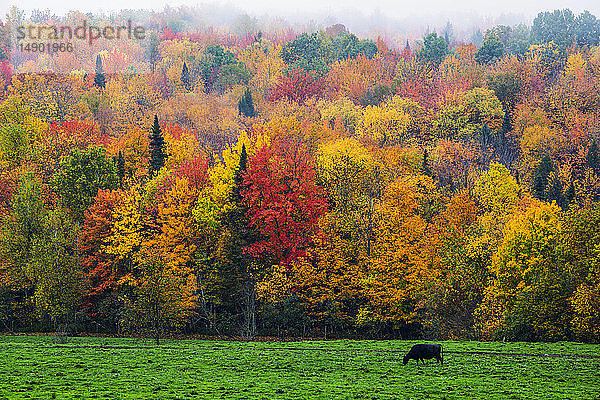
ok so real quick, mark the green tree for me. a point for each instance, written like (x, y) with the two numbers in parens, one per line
(158, 153)
(158, 299)
(185, 77)
(347, 45)
(434, 49)
(99, 78)
(425, 169)
(81, 174)
(507, 88)
(120, 165)
(153, 53)
(220, 69)
(56, 270)
(588, 29)
(519, 40)
(19, 230)
(564, 29)
(245, 104)
(569, 196)
(540, 177)
(15, 144)
(306, 52)
(491, 50)
(239, 264)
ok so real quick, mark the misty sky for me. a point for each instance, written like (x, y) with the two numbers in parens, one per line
(390, 8)
(395, 20)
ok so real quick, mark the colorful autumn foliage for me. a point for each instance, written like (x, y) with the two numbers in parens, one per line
(451, 190)
(298, 86)
(283, 198)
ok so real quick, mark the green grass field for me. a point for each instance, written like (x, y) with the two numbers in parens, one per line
(32, 367)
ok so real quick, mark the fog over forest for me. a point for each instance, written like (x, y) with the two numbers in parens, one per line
(396, 21)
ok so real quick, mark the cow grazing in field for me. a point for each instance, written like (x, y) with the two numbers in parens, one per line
(425, 352)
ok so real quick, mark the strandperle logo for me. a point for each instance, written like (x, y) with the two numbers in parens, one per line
(85, 31)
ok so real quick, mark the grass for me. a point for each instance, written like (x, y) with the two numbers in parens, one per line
(32, 367)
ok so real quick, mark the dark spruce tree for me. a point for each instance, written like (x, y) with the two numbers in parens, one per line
(506, 122)
(540, 177)
(158, 154)
(486, 138)
(239, 265)
(185, 77)
(554, 191)
(99, 78)
(246, 105)
(425, 166)
(237, 218)
(569, 195)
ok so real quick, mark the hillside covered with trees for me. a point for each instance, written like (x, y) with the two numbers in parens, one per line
(304, 183)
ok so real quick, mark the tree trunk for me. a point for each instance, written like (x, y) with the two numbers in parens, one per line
(249, 311)
(156, 331)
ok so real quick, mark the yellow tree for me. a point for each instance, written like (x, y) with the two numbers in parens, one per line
(222, 174)
(178, 237)
(264, 63)
(59, 279)
(580, 246)
(127, 100)
(128, 230)
(530, 283)
(398, 265)
(351, 176)
(386, 124)
(133, 144)
(465, 114)
(342, 109)
(182, 145)
(499, 196)
(328, 281)
(456, 280)
(158, 287)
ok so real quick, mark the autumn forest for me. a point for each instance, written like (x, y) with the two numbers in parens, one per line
(302, 184)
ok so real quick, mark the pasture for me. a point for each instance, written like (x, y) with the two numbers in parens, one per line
(32, 367)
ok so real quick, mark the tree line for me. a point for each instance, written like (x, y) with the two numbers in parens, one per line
(326, 186)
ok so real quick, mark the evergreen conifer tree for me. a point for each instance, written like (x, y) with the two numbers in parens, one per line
(99, 79)
(569, 195)
(241, 235)
(425, 166)
(152, 50)
(185, 77)
(158, 154)
(554, 191)
(540, 177)
(246, 105)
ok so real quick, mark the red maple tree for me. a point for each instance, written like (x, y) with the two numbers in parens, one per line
(98, 266)
(284, 199)
(298, 86)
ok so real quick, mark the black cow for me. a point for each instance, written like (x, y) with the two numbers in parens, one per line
(425, 352)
